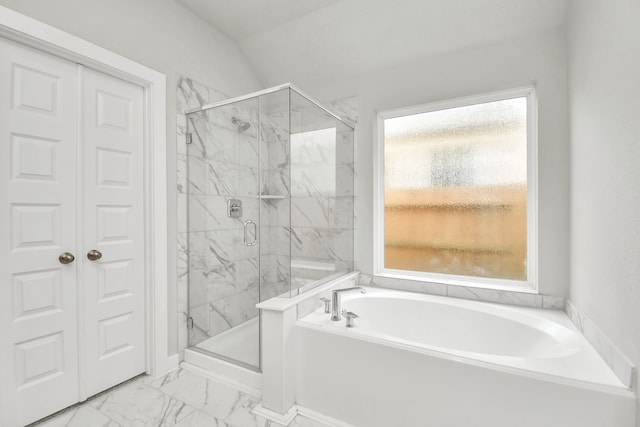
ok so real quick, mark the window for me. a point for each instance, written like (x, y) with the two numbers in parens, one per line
(456, 191)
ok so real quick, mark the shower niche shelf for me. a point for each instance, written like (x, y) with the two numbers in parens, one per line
(271, 196)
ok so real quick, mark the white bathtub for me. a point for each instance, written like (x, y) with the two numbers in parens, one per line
(422, 360)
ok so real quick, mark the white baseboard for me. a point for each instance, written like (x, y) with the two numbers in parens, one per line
(297, 410)
(282, 419)
(321, 418)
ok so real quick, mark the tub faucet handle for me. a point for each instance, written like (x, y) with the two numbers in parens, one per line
(350, 316)
(327, 305)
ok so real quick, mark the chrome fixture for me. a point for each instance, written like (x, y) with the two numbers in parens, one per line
(241, 126)
(271, 90)
(327, 305)
(66, 258)
(336, 296)
(234, 208)
(349, 316)
(248, 242)
(94, 255)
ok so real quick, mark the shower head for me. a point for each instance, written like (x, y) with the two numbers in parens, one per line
(242, 126)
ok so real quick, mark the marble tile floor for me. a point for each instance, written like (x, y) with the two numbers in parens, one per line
(181, 398)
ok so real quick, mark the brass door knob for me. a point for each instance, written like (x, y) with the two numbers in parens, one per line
(66, 258)
(94, 255)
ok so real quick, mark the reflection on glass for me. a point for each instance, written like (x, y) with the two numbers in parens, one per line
(321, 195)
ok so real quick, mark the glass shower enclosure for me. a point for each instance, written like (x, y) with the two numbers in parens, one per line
(270, 212)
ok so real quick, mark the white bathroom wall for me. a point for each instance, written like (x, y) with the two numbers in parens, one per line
(603, 43)
(539, 59)
(165, 36)
(355, 37)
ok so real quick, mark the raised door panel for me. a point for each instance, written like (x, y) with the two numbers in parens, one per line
(37, 223)
(112, 286)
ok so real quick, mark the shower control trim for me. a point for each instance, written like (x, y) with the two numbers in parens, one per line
(254, 238)
(234, 208)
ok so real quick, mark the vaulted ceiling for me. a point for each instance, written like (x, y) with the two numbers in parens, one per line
(311, 41)
(240, 19)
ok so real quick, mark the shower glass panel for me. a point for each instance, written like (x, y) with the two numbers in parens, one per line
(275, 213)
(321, 194)
(223, 162)
(270, 212)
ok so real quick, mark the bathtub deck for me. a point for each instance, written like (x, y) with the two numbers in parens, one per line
(580, 364)
(401, 379)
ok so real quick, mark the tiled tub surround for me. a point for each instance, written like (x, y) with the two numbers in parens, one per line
(617, 361)
(409, 364)
(521, 299)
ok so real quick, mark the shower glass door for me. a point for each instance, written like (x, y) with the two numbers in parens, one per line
(223, 175)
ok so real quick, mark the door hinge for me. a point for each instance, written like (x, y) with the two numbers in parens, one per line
(189, 138)
(190, 322)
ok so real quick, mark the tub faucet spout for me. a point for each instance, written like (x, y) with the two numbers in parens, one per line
(336, 301)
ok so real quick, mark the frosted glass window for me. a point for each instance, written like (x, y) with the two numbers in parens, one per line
(455, 191)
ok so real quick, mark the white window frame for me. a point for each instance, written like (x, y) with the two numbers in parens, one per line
(528, 286)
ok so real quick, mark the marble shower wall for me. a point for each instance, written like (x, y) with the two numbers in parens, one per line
(275, 187)
(322, 190)
(310, 236)
(221, 163)
(217, 274)
(190, 95)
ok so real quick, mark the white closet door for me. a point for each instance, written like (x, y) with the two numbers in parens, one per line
(112, 287)
(38, 323)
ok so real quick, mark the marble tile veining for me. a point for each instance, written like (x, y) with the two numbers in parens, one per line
(217, 274)
(181, 398)
(404, 285)
(497, 296)
(617, 361)
(81, 416)
(522, 299)
(215, 399)
(137, 404)
(346, 108)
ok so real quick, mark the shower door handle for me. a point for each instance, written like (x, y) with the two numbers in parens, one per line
(246, 233)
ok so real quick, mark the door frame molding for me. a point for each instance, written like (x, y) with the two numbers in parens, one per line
(28, 31)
